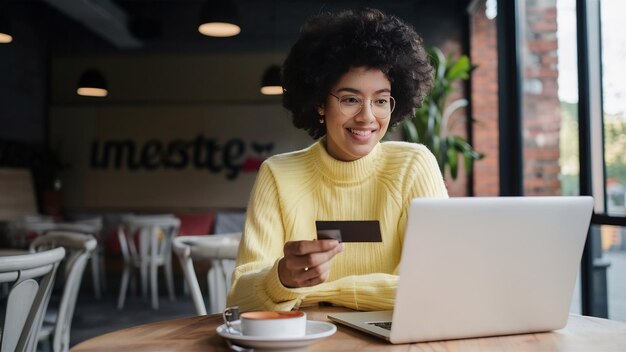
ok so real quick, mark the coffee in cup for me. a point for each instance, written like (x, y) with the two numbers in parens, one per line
(272, 324)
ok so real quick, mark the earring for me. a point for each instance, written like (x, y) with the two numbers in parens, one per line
(322, 120)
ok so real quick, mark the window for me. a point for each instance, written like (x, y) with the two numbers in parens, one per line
(614, 104)
(549, 98)
(568, 94)
(613, 238)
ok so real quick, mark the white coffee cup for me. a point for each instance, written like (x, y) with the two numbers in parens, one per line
(273, 324)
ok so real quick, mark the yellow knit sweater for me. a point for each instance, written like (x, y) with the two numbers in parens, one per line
(294, 190)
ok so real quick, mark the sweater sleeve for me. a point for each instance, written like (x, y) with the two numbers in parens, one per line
(256, 285)
(361, 292)
(428, 180)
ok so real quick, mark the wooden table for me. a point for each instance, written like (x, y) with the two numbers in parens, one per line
(198, 334)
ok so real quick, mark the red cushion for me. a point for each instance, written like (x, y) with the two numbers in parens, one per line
(112, 243)
(190, 224)
(196, 223)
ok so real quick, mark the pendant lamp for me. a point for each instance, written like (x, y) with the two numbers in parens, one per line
(92, 84)
(220, 19)
(271, 81)
(6, 35)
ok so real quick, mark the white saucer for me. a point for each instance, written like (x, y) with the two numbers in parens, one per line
(315, 331)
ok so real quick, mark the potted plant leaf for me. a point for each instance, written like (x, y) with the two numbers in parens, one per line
(434, 121)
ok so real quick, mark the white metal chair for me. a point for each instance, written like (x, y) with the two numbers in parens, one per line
(146, 243)
(28, 298)
(39, 225)
(93, 227)
(79, 247)
(221, 251)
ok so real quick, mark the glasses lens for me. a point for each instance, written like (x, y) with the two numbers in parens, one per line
(382, 107)
(350, 105)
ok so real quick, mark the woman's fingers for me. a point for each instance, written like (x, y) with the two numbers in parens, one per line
(307, 247)
(319, 271)
(312, 259)
(310, 276)
(307, 263)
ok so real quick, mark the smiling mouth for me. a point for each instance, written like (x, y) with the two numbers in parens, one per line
(360, 132)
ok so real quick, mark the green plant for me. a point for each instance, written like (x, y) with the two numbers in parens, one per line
(434, 121)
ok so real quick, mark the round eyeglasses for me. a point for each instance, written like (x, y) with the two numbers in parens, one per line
(381, 107)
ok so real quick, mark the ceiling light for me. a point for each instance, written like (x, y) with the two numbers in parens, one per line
(219, 19)
(92, 84)
(271, 82)
(5, 29)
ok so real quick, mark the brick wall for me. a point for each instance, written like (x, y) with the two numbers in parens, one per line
(484, 54)
(541, 107)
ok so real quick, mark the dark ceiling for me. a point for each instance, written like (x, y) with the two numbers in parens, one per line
(170, 26)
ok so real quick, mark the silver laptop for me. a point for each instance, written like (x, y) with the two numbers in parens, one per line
(475, 267)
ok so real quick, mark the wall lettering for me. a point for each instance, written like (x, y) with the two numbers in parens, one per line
(201, 153)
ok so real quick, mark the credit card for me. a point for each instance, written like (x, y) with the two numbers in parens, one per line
(349, 230)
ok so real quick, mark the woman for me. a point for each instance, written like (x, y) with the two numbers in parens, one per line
(348, 77)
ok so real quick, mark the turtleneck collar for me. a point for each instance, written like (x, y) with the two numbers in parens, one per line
(345, 171)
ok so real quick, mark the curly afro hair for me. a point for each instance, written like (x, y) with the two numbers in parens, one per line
(331, 44)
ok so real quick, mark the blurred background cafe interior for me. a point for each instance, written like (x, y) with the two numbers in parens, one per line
(127, 117)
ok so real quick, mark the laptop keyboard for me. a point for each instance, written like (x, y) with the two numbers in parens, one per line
(382, 324)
